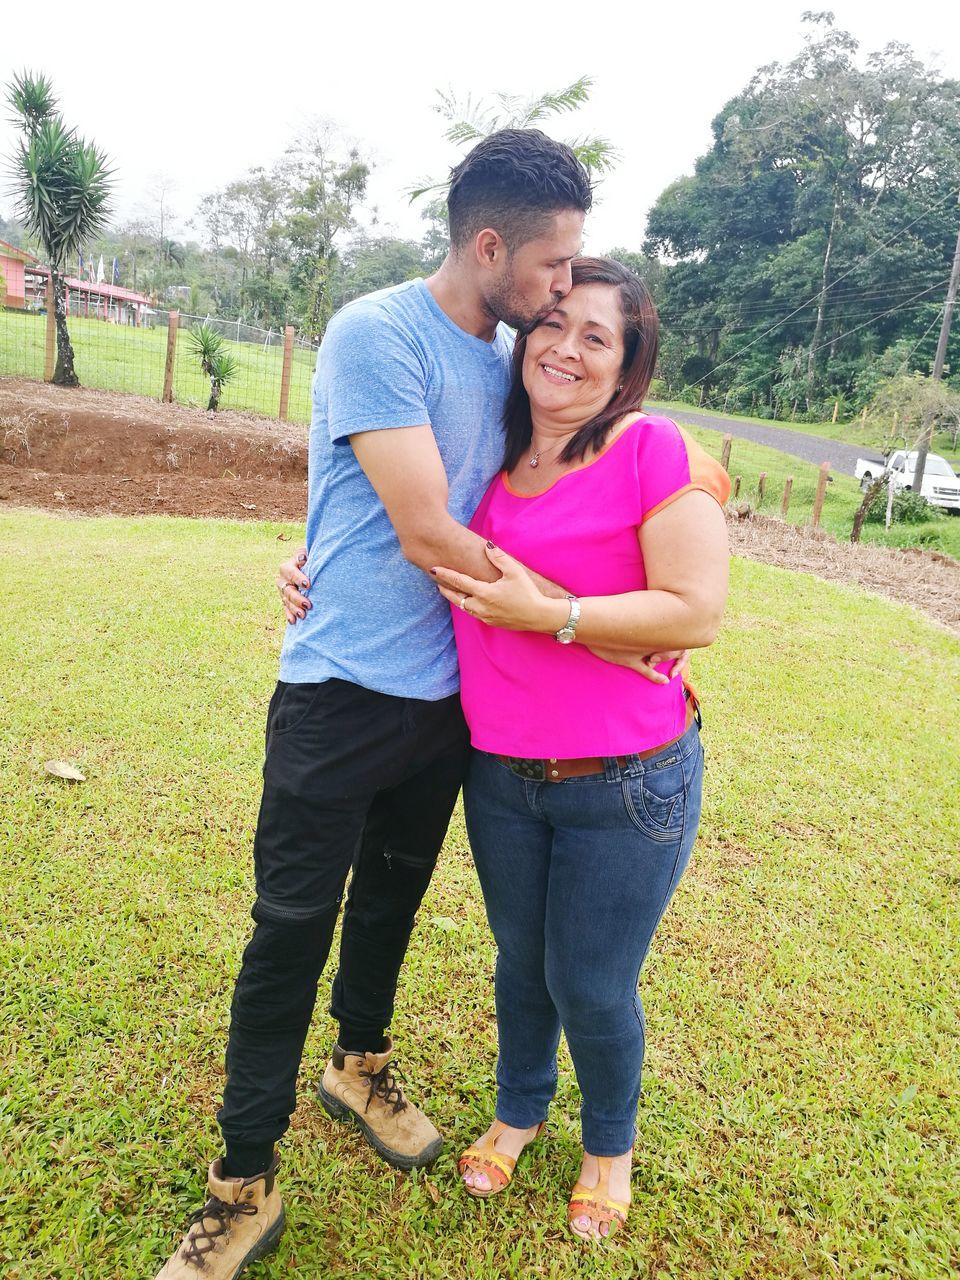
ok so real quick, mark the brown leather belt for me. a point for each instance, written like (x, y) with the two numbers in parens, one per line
(557, 770)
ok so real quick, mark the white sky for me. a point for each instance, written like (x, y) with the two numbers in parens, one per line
(198, 93)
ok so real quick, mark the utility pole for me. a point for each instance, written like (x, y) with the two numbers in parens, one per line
(923, 447)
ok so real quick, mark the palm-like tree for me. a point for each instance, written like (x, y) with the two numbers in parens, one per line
(469, 121)
(215, 361)
(63, 187)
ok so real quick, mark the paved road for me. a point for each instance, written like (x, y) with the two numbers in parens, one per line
(842, 457)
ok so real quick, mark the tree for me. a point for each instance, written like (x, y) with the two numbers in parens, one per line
(63, 194)
(469, 121)
(371, 264)
(325, 187)
(815, 221)
(909, 405)
(133, 244)
(216, 362)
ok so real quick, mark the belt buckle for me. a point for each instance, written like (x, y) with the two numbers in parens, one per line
(532, 770)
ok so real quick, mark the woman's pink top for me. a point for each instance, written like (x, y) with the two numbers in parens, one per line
(523, 693)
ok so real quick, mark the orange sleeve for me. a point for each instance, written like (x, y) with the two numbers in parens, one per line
(706, 474)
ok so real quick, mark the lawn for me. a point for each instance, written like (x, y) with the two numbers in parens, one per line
(123, 358)
(842, 499)
(866, 435)
(800, 1111)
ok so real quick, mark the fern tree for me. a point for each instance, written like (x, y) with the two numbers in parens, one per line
(469, 121)
(215, 361)
(63, 187)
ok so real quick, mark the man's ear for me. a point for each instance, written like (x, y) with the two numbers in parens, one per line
(490, 248)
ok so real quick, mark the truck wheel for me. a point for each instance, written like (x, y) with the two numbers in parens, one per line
(866, 480)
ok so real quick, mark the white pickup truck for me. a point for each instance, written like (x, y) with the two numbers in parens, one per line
(941, 485)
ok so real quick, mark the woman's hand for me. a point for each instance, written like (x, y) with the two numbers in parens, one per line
(646, 664)
(291, 581)
(514, 602)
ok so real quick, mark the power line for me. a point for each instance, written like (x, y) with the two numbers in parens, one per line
(831, 341)
(771, 306)
(955, 191)
(907, 304)
(935, 321)
(849, 315)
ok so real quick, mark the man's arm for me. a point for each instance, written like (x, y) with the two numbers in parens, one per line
(406, 470)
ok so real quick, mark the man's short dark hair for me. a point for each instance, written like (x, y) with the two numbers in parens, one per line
(514, 181)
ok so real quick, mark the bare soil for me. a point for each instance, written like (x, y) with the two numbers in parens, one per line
(106, 454)
(98, 453)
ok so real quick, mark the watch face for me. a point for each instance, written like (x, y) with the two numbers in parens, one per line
(565, 636)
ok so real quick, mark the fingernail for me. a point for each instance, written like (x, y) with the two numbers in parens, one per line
(491, 545)
(433, 572)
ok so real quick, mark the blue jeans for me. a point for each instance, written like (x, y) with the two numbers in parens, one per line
(576, 876)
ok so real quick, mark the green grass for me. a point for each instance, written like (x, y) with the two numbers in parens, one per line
(864, 435)
(123, 358)
(800, 1113)
(842, 499)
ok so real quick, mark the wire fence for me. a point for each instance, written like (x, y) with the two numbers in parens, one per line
(130, 358)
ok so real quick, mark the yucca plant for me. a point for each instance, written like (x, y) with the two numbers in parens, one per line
(63, 186)
(216, 362)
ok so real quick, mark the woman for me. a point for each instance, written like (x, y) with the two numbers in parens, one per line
(583, 795)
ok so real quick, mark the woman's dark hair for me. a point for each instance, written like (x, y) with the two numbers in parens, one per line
(514, 181)
(641, 337)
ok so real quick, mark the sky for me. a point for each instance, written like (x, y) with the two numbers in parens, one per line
(190, 96)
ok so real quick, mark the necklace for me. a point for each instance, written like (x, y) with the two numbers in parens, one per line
(535, 459)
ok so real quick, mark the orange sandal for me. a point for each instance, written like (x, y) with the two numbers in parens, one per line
(483, 1157)
(596, 1204)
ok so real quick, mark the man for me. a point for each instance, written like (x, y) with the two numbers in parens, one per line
(366, 744)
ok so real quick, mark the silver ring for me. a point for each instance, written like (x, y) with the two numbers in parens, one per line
(283, 588)
(463, 604)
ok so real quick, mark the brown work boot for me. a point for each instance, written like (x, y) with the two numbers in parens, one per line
(241, 1222)
(363, 1087)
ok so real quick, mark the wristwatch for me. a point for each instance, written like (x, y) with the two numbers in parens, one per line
(567, 633)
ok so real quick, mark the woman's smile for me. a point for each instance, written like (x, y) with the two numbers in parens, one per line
(554, 373)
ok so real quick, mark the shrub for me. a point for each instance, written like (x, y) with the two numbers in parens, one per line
(908, 508)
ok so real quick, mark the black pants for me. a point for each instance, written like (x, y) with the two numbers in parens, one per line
(352, 778)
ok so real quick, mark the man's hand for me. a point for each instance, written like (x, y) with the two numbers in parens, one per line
(646, 664)
(291, 583)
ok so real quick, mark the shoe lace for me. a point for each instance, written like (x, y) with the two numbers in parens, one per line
(383, 1085)
(203, 1241)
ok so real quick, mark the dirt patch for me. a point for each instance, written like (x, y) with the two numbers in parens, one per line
(98, 453)
(926, 579)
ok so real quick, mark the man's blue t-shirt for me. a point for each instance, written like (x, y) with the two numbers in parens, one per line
(391, 359)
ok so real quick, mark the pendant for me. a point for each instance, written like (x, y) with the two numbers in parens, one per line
(535, 460)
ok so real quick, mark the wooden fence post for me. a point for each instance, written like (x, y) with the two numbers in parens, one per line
(785, 500)
(761, 487)
(50, 351)
(736, 486)
(172, 318)
(821, 493)
(725, 452)
(285, 375)
(836, 409)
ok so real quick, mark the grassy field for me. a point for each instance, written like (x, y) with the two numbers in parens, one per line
(842, 499)
(800, 1114)
(866, 435)
(122, 358)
